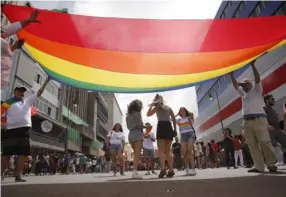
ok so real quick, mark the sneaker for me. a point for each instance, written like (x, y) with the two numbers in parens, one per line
(148, 173)
(272, 169)
(170, 174)
(192, 172)
(19, 179)
(162, 174)
(279, 164)
(187, 171)
(135, 175)
(254, 170)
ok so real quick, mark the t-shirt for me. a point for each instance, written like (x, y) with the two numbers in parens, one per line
(19, 113)
(252, 101)
(148, 143)
(116, 137)
(236, 144)
(176, 147)
(272, 117)
(214, 147)
(185, 125)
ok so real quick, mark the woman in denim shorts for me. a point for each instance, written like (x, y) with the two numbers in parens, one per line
(188, 138)
(115, 144)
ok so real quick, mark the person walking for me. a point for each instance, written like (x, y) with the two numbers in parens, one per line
(229, 149)
(176, 148)
(135, 125)
(115, 144)
(188, 138)
(255, 122)
(19, 122)
(165, 133)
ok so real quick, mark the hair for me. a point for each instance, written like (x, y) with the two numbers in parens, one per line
(147, 124)
(266, 97)
(186, 111)
(229, 130)
(134, 106)
(120, 129)
(212, 141)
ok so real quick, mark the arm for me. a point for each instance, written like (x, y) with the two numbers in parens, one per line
(234, 82)
(173, 119)
(255, 72)
(152, 137)
(151, 111)
(41, 90)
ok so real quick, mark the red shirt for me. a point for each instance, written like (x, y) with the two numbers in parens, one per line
(236, 144)
(215, 147)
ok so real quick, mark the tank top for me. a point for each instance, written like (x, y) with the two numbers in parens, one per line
(163, 114)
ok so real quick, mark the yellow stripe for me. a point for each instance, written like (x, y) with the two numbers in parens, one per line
(5, 105)
(127, 80)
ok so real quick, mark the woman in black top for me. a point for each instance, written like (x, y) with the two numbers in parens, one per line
(229, 148)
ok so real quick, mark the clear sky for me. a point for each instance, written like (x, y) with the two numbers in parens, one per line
(151, 9)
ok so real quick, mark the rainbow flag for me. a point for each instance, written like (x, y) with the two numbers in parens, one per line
(143, 55)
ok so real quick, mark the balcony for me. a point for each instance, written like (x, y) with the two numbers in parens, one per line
(101, 129)
(84, 130)
(44, 141)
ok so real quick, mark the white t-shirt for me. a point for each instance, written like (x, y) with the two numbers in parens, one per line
(185, 125)
(148, 143)
(116, 137)
(252, 101)
(19, 113)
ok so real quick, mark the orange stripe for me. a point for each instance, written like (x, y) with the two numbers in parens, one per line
(150, 63)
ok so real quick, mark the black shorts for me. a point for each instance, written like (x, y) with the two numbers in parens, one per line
(17, 142)
(165, 130)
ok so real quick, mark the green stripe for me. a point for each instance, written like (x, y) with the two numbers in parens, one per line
(95, 87)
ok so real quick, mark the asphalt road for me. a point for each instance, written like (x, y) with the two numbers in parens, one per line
(207, 183)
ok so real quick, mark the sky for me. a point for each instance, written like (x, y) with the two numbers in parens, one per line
(155, 9)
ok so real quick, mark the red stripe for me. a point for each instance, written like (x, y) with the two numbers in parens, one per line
(152, 36)
(270, 83)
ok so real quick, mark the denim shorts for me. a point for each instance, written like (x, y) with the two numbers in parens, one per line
(188, 137)
(115, 147)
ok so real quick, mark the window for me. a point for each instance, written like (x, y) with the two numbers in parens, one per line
(39, 79)
(49, 111)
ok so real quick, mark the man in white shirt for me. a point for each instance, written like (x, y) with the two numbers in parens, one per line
(17, 134)
(255, 122)
(148, 151)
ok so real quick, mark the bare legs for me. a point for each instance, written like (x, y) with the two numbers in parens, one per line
(164, 147)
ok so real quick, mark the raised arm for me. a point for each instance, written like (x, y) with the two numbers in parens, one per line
(151, 110)
(234, 82)
(41, 90)
(255, 72)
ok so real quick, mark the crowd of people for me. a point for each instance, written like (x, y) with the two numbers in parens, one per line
(262, 141)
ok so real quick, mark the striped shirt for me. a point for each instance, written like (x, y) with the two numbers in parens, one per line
(185, 125)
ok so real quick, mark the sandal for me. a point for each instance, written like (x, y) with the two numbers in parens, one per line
(170, 174)
(162, 174)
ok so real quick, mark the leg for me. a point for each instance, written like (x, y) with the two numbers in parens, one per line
(137, 147)
(168, 144)
(253, 144)
(113, 160)
(4, 165)
(161, 149)
(241, 157)
(262, 135)
(235, 157)
(227, 158)
(190, 146)
(281, 138)
(184, 155)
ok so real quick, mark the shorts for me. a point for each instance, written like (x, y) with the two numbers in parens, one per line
(115, 147)
(135, 135)
(148, 153)
(165, 131)
(188, 137)
(16, 142)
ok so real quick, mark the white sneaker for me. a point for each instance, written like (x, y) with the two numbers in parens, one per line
(135, 175)
(187, 171)
(192, 172)
(279, 164)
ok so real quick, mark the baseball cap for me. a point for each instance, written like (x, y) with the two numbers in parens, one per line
(245, 81)
(20, 89)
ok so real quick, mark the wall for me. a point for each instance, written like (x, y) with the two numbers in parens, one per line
(117, 113)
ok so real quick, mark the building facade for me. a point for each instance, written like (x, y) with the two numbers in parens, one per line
(115, 114)
(218, 103)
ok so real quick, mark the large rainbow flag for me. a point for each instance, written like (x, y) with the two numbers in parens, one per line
(143, 55)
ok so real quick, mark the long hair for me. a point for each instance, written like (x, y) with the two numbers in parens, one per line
(134, 106)
(186, 111)
(120, 129)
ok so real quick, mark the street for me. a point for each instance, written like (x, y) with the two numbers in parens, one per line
(210, 182)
